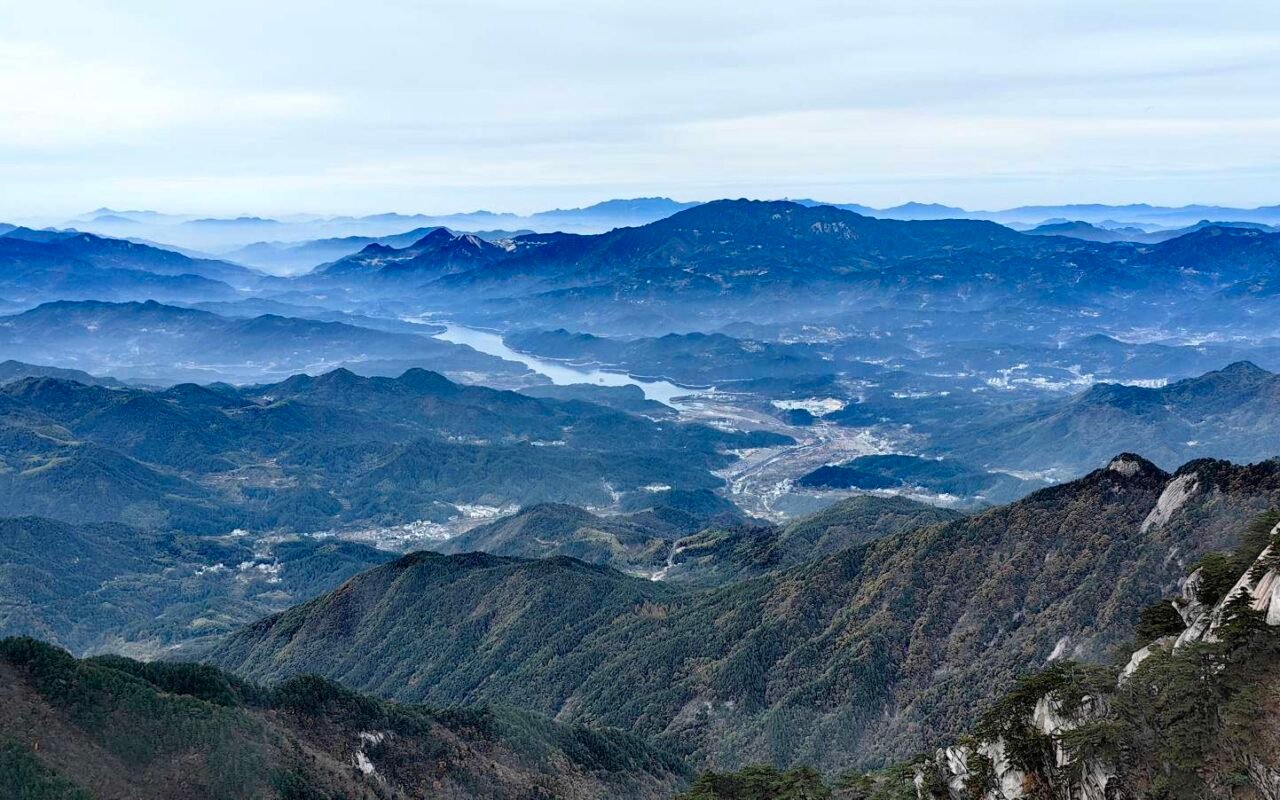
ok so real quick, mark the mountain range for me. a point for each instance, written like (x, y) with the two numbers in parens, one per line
(294, 257)
(1231, 413)
(311, 453)
(304, 478)
(11, 371)
(36, 266)
(767, 261)
(725, 262)
(231, 234)
(107, 253)
(1096, 233)
(856, 658)
(158, 343)
(599, 217)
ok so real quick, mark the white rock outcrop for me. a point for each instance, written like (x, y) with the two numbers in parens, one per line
(1095, 780)
(1173, 497)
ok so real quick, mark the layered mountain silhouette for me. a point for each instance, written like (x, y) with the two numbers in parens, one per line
(46, 264)
(1232, 413)
(161, 343)
(312, 452)
(439, 252)
(767, 261)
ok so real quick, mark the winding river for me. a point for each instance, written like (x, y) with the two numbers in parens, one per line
(560, 373)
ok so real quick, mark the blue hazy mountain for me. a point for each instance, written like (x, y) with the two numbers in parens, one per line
(1100, 233)
(295, 257)
(437, 253)
(1229, 413)
(120, 253)
(225, 235)
(731, 260)
(159, 343)
(42, 265)
(727, 262)
(11, 371)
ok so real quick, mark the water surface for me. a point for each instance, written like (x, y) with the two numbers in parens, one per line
(560, 373)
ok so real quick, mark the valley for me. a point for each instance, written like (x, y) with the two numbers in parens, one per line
(556, 400)
(750, 483)
(763, 482)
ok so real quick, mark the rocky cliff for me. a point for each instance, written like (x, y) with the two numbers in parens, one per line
(1076, 733)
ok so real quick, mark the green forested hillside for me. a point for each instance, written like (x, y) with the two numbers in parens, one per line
(705, 545)
(632, 543)
(726, 552)
(1184, 713)
(455, 629)
(114, 729)
(860, 657)
(110, 587)
(338, 449)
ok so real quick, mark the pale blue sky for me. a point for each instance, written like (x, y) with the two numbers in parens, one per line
(345, 107)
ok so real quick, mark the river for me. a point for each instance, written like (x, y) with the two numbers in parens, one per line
(560, 373)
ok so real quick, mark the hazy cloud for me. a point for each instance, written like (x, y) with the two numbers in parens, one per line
(338, 106)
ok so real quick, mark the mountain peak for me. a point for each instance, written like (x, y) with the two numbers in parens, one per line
(1131, 464)
(340, 376)
(424, 380)
(1245, 369)
(435, 238)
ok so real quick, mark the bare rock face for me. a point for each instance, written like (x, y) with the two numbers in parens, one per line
(1265, 778)
(1125, 465)
(1171, 499)
(1260, 585)
(1094, 779)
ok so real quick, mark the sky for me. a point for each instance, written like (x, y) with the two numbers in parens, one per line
(271, 108)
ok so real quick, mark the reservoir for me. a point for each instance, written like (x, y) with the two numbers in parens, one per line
(560, 373)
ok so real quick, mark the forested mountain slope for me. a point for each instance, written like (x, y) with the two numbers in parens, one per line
(1192, 714)
(860, 657)
(95, 588)
(310, 453)
(115, 729)
(702, 543)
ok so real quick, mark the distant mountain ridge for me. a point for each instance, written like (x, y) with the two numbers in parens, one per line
(201, 346)
(81, 267)
(1233, 412)
(313, 453)
(437, 253)
(768, 260)
(1094, 233)
(638, 211)
(105, 252)
(11, 371)
(227, 234)
(298, 257)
